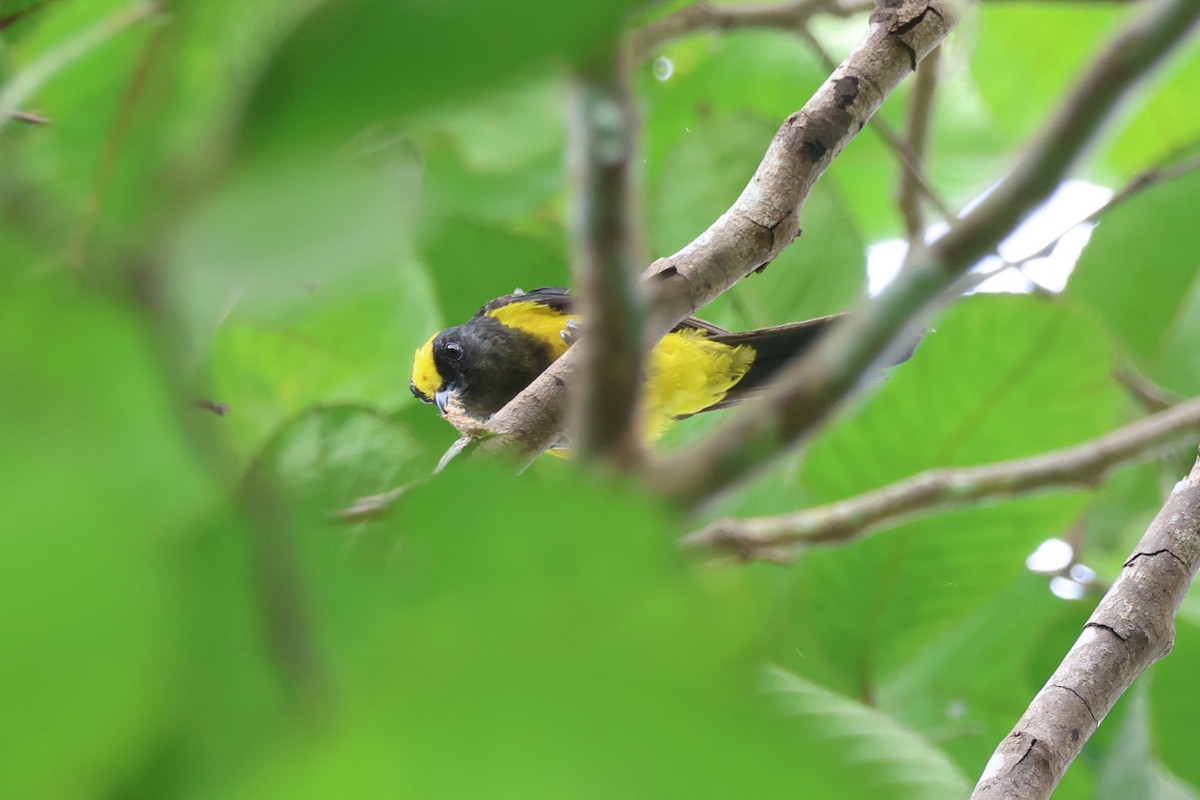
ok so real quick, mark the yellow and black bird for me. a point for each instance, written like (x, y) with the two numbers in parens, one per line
(486, 362)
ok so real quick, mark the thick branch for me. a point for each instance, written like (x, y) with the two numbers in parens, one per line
(905, 156)
(807, 391)
(606, 263)
(847, 520)
(763, 220)
(1131, 629)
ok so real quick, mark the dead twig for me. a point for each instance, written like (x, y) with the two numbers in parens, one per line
(1082, 465)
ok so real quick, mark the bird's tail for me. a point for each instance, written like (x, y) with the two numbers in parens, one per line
(774, 347)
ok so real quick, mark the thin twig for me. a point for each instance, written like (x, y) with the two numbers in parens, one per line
(1131, 629)
(807, 391)
(16, 92)
(1164, 172)
(371, 506)
(1149, 394)
(703, 16)
(1082, 465)
(607, 260)
(919, 111)
(114, 143)
(29, 117)
(763, 220)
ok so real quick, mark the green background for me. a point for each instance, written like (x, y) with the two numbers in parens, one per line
(271, 204)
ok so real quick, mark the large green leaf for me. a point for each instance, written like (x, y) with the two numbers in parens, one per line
(1164, 120)
(539, 630)
(98, 485)
(348, 341)
(1174, 703)
(1139, 270)
(344, 66)
(967, 688)
(976, 392)
(892, 761)
(1027, 56)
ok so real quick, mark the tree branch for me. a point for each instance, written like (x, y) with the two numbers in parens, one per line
(1082, 465)
(704, 16)
(606, 261)
(1165, 171)
(763, 220)
(807, 391)
(909, 161)
(920, 108)
(1131, 629)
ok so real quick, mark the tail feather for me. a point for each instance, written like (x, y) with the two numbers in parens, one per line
(775, 347)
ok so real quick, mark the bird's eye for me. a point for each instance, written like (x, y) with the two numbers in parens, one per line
(454, 352)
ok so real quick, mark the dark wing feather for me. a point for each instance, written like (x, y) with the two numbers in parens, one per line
(557, 297)
(773, 348)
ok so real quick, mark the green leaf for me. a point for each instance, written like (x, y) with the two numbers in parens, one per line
(492, 635)
(976, 391)
(1165, 118)
(99, 482)
(967, 688)
(1152, 231)
(878, 753)
(1025, 59)
(1130, 768)
(350, 341)
(342, 68)
(1174, 702)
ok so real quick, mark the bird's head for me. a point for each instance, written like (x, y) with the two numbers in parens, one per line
(482, 364)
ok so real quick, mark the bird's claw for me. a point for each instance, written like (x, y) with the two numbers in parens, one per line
(571, 333)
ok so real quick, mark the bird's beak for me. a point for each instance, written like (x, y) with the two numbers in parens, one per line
(441, 397)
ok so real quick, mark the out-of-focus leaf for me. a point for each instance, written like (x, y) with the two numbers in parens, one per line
(1138, 272)
(353, 63)
(1174, 703)
(1023, 64)
(748, 75)
(1163, 119)
(471, 263)
(492, 636)
(899, 762)
(333, 455)
(350, 342)
(1130, 768)
(98, 485)
(966, 689)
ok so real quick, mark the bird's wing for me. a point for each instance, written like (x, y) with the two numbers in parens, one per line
(558, 298)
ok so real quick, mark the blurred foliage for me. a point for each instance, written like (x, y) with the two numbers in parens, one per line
(269, 205)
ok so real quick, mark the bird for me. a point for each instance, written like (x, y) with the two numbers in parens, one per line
(476, 368)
